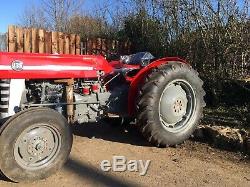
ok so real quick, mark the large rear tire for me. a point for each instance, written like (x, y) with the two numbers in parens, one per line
(170, 104)
(34, 144)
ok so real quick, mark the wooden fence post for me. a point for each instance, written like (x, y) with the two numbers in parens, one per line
(11, 38)
(34, 39)
(104, 45)
(72, 48)
(48, 42)
(55, 42)
(61, 42)
(78, 45)
(41, 45)
(89, 46)
(93, 41)
(27, 40)
(66, 44)
(109, 45)
(19, 39)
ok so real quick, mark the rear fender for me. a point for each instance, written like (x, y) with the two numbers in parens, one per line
(140, 76)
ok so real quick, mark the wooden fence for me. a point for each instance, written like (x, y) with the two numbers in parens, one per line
(32, 40)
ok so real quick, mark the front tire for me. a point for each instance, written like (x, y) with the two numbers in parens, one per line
(170, 104)
(34, 144)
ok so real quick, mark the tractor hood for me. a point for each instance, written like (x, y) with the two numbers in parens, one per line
(44, 66)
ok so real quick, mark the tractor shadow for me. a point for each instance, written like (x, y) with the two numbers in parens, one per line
(125, 133)
(98, 177)
(86, 172)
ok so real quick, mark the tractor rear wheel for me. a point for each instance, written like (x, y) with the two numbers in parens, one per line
(34, 144)
(170, 104)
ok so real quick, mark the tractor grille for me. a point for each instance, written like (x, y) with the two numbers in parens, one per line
(4, 97)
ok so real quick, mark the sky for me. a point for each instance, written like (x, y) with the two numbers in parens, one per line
(11, 10)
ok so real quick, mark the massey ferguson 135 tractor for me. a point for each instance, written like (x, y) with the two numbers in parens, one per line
(40, 95)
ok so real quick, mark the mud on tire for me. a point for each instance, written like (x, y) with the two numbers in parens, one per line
(170, 104)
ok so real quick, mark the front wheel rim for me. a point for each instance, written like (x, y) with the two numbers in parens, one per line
(177, 105)
(37, 146)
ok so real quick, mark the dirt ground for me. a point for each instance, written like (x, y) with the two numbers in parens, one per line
(191, 164)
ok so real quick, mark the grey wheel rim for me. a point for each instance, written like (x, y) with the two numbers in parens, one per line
(37, 146)
(177, 105)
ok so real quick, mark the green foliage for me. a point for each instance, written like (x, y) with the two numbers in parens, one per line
(88, 26)
(144, 33)
(213, 35)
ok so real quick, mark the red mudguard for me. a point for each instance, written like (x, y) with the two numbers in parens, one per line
(138, 79)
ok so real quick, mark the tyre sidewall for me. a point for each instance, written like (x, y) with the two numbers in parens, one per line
(177, 137)
(15, 127)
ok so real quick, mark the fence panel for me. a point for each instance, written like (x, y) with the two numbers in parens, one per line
(32, 40)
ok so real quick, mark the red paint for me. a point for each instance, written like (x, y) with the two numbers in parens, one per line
(97, 62)
(85, 90)
(135, 82)
(95, 88)
(118, 65)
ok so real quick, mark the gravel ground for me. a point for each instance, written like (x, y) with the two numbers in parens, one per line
(191, 164)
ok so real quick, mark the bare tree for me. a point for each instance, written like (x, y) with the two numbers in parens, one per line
(113, 14)
(51, 14)
(88, 26)
(33, 16)
(59, 12)
(212, 34)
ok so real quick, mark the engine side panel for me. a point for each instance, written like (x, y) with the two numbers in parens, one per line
(44, 66)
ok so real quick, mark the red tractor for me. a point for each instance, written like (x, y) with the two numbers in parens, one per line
(40, 95)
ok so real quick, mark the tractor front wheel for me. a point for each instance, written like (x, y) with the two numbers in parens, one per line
(170, 104)
(34, 144)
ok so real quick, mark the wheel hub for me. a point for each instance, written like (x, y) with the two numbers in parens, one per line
(178, 106)
(173, 104)
(37, 146)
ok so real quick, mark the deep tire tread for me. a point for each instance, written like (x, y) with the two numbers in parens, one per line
(146, 101)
